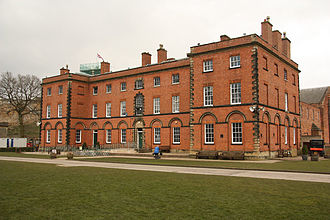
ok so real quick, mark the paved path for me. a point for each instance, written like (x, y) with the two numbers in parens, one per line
(324, 178)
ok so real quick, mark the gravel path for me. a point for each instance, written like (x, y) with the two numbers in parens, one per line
(322, 178)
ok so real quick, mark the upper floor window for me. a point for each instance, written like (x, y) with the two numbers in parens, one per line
(265, 63)
(48, 111)
(123, 86)
(208, 96)
(49, 91)
(275, 69)
(108, 88)
(293, 79)
(139, 84)
(208, 66)
(235, 93)
(175, 104)
(139, 103)
(156, 81)
(94, 111)
(123, 109)
(95, 88)
(108, 110)
(156, 105)
(286, 101)
(285, 75)
(235, 61)
(60, 90)
(175, 78)
(59, 110)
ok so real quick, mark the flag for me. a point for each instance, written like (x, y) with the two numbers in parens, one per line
(99, 56)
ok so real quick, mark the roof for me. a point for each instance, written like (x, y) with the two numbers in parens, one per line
(313, 95)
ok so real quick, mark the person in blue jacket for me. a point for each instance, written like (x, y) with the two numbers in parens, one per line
(156, 152)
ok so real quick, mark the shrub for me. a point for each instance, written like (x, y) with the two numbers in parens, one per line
(304, 150)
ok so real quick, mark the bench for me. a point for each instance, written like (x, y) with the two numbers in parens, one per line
(165, 149)
(207, 155)
(232, 155)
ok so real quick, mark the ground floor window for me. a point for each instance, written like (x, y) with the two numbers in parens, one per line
(209, 133)
(48, 136)
(59, 136)
(236, 133)
(294, 136)
(108, 136)
(176, 135)
(123, 136)
(78, 136)
(156, 135)
(286, 135)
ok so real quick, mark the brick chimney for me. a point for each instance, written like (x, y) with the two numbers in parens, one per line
(64, 70)
(224, 38)
(277, 40)
(146, 58)
(286, 44)
(266, 30)
(162, 54)
(105, 67)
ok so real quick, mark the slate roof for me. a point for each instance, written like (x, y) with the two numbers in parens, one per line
(313, 95)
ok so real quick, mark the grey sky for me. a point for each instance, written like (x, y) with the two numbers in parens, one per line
(39, 36)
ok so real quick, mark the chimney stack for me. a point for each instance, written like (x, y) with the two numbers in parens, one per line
(266, 30)
(146, 58)
(105, 67)
(64, 70)
(224, 38)
(286, 44)
(277, 40)
(162, 54)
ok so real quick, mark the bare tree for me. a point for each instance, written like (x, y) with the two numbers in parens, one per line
(22, 94)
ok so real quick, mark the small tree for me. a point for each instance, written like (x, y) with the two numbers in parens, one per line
(22, 94)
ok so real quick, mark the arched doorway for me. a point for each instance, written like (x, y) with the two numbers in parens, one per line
(139, 134)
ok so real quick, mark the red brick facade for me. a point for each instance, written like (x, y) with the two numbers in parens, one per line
(231, 98)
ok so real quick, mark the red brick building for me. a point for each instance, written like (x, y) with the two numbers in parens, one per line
(315, 115)
(237, 94)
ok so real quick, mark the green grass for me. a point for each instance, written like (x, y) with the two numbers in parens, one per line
(13, 154)
(309, 166)
(44, 191)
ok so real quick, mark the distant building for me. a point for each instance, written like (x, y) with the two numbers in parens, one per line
(237, 94)
(3, 129)
(315, 114)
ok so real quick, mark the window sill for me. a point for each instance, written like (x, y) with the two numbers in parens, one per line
(236, 103)
(157, 143)
(156, 86)
(175, 83)
(176, 143)
(236, 143)
(138, 88)
(234, 67)
(156, 113)
(123, 90)
(207, 71)
(211, 143)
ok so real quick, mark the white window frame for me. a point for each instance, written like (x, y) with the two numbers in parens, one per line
(139, 84)
(108, 88)
(175, 104)
(59, 110)
(235, 61)
(123, 86)
(123, 136)
(157, 105)
(95, 90)
(59, 136)
(78, 136)
(48, 111)
(123, 112)
(49, 91)
(156, 135)
(176, 135)
(208, 95)
(108, 136)
(94, 111)
(285, 135)
(207, 135)
(60, 90)
(108, 110)
(235, 93)
(294, 136)
(156, 81)
(207, 66)
(175, 78)
(285, 75)
(239, 132)
(48, 136)
(286, 101)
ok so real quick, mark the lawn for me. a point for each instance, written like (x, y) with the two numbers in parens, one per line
(13, 154)
(44, 191)
(308, 166)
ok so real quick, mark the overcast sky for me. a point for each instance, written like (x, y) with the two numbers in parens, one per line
(39, 36)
